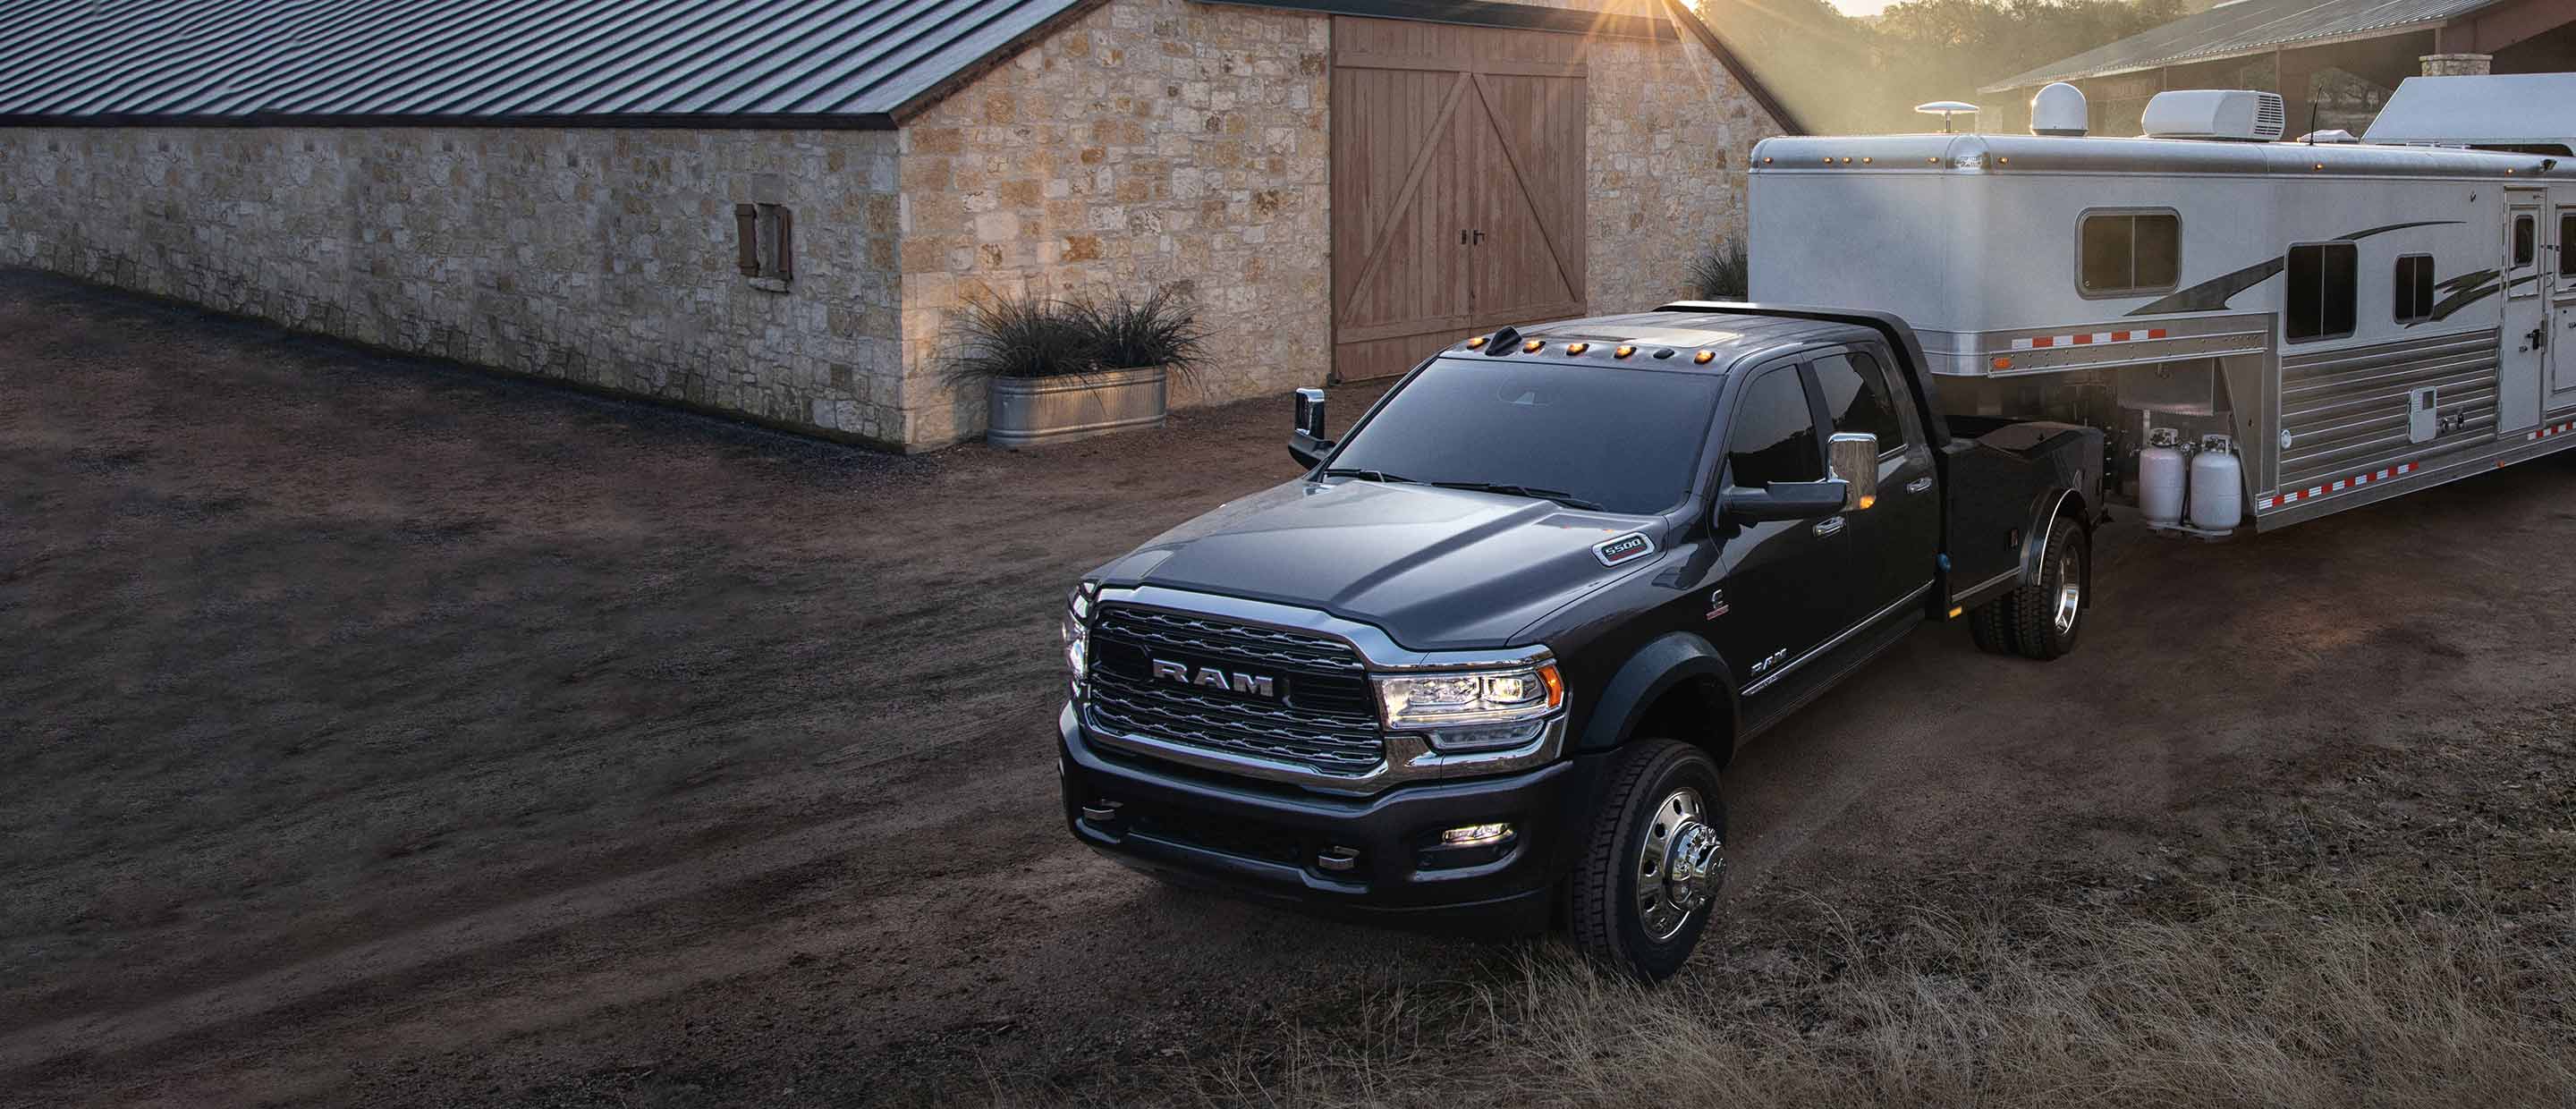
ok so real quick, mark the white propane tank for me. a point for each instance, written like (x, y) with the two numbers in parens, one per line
(2160, 478)
(2217, 486)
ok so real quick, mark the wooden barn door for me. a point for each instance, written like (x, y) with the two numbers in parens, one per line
(1458, 186)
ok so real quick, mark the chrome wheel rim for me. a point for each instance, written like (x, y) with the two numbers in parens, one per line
(1678, 864)
(2070, 594)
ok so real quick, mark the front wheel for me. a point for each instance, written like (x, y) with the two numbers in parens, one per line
(1647, 881)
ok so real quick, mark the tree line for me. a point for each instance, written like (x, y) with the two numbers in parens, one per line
(1840, 74)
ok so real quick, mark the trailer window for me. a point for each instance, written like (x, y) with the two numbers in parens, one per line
(2526, 234)
(1775, 434)
(2321, 297)
(2124, 253)
(1856, 399)
(2414, 288)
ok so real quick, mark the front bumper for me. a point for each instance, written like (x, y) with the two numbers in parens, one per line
(1275, 842)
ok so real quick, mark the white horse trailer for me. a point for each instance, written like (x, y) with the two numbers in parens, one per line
(2352, 321)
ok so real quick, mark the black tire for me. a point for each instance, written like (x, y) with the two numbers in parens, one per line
(2048, 615)
(1991, 625)
(1604, 913)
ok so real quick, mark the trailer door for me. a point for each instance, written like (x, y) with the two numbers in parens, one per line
(2522, 356)
(2558, 254)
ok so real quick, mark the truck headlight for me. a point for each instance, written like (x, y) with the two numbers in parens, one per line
(1460, 703)
(1077, 633)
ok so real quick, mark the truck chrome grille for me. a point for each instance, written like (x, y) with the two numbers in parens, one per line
(1216, 637)
(1324, 716)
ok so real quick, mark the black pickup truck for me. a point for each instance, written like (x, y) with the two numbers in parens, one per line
(1485, 660)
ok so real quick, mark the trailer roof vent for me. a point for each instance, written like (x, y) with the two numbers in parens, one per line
(2242, 115)
(2059, 109)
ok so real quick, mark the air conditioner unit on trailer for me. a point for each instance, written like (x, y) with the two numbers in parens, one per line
(2239, 114)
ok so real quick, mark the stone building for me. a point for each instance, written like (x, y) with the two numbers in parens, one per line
(2334, 62)
(774, 208)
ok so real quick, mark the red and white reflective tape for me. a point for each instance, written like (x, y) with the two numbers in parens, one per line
(2336, 486)
(2088, 339)
(2546, 432)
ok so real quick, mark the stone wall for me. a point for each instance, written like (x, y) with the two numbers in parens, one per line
(599, 256)
(1670, 129)
(2457, 65)
(1149, 144)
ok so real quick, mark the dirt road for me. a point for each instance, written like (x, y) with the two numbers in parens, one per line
(373, 732)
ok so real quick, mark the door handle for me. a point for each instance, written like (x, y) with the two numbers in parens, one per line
(1831, 526)
(1919, 484)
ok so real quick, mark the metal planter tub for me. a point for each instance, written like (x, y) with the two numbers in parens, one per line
(1027, 411)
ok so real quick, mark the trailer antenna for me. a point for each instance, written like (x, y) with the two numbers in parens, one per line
(2312, 123)
(1945, 109)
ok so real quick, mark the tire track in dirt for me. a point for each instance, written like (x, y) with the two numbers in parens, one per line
(391, 956)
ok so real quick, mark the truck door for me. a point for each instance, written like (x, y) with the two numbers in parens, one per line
(1892, 543)
(1778, 590)
(2558, 257)
(2522, 355)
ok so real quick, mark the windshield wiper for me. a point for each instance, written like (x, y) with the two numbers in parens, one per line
(1560, 496)
(1370, 475)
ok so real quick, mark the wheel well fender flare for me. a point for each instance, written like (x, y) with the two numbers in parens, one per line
(2045, 510)
(1664, 663)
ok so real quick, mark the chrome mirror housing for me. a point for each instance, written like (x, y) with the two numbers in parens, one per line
(1306, 443)
(1855, 464)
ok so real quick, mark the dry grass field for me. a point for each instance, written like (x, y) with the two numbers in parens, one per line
(2400, 937)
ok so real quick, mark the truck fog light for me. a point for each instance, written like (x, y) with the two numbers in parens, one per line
(1495, 738)
(1476, 835)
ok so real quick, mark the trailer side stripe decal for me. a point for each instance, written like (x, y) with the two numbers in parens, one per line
(2095, 338)
(2338, 485)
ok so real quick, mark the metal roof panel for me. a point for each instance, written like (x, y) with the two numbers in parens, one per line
(2245, 27)
(465, 59)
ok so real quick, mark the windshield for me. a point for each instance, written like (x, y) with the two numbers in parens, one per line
(1624, 440)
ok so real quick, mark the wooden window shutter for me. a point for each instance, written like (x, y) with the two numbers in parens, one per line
(746, 239)
(786, 243)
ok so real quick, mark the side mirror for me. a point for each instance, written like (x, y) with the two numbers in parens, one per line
(1788, 500)
(1306, 443)
(1855, 464)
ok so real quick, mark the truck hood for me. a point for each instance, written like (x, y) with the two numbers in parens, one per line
(1437, 569)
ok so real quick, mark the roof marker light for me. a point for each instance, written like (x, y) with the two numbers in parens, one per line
(1476, 342)
(1532, 346)
(1578, 348)
(1864, 161)
(1704, 357)
(1623, 351)
(1766, 161)
(1935, 159)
